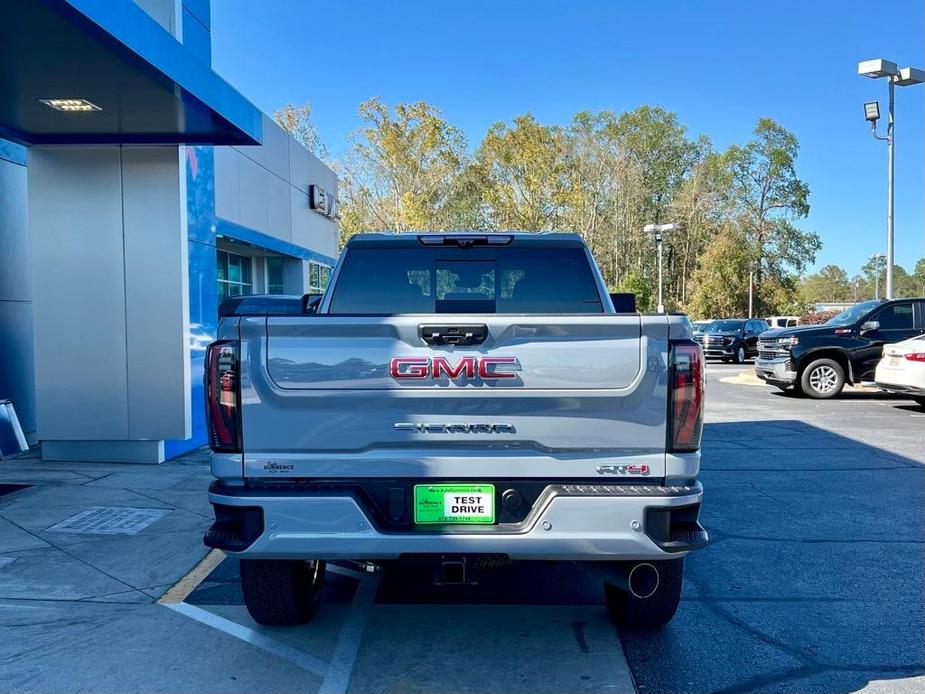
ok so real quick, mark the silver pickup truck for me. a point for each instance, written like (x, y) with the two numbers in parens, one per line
(460, 400)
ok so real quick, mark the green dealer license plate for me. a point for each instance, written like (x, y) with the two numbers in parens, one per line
(454, 503)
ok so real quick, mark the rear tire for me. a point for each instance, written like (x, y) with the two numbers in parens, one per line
(823, 379)
(627, 610)
(282, 592)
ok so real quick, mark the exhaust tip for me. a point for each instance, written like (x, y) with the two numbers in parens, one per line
(643, 580)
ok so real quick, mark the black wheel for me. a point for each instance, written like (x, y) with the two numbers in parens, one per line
(741, 354)
(628, 610)
(282, 592)
(823, 379)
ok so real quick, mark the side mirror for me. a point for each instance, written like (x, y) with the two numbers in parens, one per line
(869, 326)
(623, 302)
(310, 303)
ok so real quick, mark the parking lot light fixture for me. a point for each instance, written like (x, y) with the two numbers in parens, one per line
(903, 77)
(877, 68)
(872, 112)
(909, 76)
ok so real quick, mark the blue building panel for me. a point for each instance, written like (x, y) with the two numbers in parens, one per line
(203, 292)
(196, 37)
(11, 152)
(201, 10)
(203, 228)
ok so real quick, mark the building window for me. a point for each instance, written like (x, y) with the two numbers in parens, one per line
(234, 275)
(318, 277)
(274, 269)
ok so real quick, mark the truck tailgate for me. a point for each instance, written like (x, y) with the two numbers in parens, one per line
(556, 396)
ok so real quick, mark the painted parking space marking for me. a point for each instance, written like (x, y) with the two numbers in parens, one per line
(186, 585)
(337, 678)
(302, 659)
(336, 673)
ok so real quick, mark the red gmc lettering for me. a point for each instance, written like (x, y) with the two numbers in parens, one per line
(485, 374)
(441, 365)
(466, 368)
(409, 367)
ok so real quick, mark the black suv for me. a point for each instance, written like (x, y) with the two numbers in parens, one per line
(817, 360)
(731, 339)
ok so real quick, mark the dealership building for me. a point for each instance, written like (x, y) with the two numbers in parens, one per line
(137, 190)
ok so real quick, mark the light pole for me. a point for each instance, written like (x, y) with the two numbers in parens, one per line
(904, 77)
(657, 230)
(751, 288)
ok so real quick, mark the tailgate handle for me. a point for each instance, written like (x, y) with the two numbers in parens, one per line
(453, 334)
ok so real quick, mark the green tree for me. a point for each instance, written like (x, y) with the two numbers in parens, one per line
(721, 280)
(873, 273)
(654, 139)
(402, 171)
(769, 197)
(602, 195)
(297, 121)
(523, 168)
(635, 283)
(702, 205)
(918, 277)
(831, 283)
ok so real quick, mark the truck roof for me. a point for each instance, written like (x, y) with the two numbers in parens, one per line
(464, 238)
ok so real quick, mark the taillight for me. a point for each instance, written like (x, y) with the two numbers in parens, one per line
(915, 356)
(685, 398)
(223, 397)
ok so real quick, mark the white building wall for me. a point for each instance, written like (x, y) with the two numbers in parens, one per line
(109, 242)
(266, 188)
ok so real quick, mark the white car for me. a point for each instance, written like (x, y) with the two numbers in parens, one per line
(782, 321)
(902, 368)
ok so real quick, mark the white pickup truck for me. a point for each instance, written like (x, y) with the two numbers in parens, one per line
(466, 400)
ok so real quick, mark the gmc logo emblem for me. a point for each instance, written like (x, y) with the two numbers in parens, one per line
(418, 368)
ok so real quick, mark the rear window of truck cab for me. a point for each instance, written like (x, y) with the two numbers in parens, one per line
(387, 280)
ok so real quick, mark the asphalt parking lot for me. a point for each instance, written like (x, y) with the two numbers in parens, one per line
(813, 582)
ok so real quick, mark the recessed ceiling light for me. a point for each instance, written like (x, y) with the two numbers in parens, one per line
(70, 105)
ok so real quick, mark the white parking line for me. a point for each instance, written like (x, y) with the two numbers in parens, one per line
(336, 674)
(265, 643)
(351, 634)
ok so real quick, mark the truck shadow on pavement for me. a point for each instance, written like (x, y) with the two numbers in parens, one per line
(813, 580)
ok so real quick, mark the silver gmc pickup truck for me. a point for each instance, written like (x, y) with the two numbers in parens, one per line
(463, 401)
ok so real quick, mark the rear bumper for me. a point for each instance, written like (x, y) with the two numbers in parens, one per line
(777, 371)
(569, 522)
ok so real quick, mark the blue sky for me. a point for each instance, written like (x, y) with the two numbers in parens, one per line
(719, 65)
